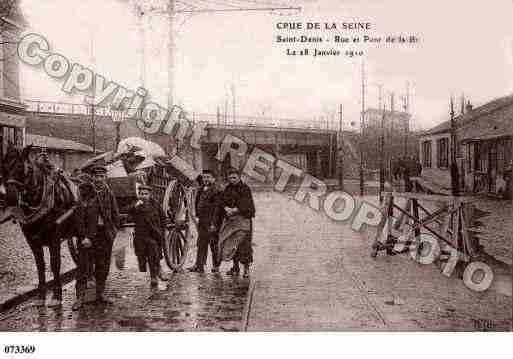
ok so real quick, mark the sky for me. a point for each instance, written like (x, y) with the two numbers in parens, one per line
(465, 47)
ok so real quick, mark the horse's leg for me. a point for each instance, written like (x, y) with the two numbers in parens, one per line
(37, 251)
(55, 263)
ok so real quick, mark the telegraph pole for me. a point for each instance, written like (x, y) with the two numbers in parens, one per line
(233, 103)
(362, 119)
(171, 53)
(93, 119)
(391, 152)
(407, 125)
(382, 157)
(454, 166)
(172, 10)
(341, 152)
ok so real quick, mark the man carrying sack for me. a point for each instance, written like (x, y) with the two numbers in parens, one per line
(235, 235)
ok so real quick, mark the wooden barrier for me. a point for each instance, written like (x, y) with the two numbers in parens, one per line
(450, 222)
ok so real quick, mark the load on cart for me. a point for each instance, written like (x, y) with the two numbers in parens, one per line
(140, 162)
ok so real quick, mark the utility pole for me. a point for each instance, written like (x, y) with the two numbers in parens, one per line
(454, 166)
(341, 152)
(226, 111)
(391, 152)
(141, 33)
(382, 157)
(362, 119)
(171, 11)
(407, 125)
(218, 118)
(171, 53)
(93, 110)
(233, 103)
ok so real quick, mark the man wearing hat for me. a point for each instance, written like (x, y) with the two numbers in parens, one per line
(209, 220)
(101, 223)
(149, 221)
(235, 235)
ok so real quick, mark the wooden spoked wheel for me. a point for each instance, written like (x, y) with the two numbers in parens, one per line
(176, 204)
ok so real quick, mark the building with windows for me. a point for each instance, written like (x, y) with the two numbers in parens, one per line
(65, 154)
(484, 148)
(399, 141)
(12, 111)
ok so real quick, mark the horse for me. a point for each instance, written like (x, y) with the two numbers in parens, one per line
(45, 202)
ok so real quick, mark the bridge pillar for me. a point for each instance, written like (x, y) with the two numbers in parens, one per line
(318, 161)
(274, 172)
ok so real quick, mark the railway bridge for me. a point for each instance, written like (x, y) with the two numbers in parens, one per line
(314, 150)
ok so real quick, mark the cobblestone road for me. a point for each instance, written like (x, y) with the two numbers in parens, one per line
(189, 302)
(310, 273)
(321, 277)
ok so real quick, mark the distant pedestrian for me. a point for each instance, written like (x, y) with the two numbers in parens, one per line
(149, 221)
(208, 211)
(418, 168)
(235, 236)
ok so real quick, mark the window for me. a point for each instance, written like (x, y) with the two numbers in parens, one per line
(10, 135)
(470, 158)
(442, 152)
(426, 154)
(481, 155)
(500, 156)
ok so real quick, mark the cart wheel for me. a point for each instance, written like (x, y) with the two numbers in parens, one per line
(73, 248)
(177, 204)
(176, 246)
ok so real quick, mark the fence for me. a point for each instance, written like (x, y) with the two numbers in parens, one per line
(213, 119)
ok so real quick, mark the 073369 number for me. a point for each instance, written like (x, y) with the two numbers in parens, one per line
(19, 349)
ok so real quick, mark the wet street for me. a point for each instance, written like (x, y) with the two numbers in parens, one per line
(188, 302)
(310, 273)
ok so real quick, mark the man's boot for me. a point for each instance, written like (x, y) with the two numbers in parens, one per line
(161, 274)
(78, 303)
(197, 269)
(235, 270)
(99, 295)
(246, 271)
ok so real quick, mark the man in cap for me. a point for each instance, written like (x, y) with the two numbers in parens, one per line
(101, 223)
(235, 236)
(209, 220)
(149, 221)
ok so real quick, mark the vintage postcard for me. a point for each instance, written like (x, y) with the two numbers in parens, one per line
(258, 166)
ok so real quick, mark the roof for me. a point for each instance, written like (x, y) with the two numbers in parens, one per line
(56, 143)
(481, 113)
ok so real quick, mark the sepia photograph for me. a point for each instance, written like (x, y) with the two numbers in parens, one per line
(255, 166)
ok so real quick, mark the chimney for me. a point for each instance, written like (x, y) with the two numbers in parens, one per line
(468, 107)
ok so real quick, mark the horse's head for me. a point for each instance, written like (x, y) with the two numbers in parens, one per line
(18, 174)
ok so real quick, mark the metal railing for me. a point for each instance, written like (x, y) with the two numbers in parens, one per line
(52, 107)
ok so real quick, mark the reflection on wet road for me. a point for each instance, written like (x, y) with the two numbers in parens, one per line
(187, 302)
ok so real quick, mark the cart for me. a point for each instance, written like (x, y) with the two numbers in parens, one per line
(172, 189)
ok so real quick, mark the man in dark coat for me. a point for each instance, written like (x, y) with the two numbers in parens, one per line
(236, 232)
(101, 223)
(149, 221)
(209, 220)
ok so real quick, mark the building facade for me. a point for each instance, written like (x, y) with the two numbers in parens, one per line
(12, 111)
(65, 154)
(399, 141)
(484, 149)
